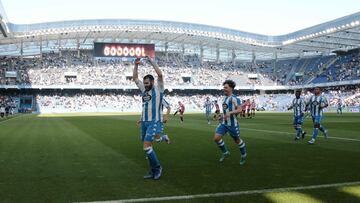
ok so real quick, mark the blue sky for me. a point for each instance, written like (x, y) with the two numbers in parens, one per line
(271, 17)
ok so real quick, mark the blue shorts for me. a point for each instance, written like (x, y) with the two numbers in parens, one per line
(233, 131)
(317, 119)
(298, 120)
(149, 129)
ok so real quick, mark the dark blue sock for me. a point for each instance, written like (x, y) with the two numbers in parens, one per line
(242, 148)
(153, 160)
(221, 145)
(315, 133)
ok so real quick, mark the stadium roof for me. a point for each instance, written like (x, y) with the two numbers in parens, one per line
(339, 34)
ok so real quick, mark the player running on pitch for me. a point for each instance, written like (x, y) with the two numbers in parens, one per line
(217, 115)
(152, 96)
(181, 110)
(317, 103)
(298, 105)
(231, 107)
(253, 108)
(339, 106)
(208, 108)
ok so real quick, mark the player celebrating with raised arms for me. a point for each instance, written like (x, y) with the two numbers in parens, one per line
(231, 107)
(298, 105)
(317, 103)
(152, 97)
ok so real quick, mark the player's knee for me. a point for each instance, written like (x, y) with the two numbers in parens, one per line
(147, 144)
(217, 138)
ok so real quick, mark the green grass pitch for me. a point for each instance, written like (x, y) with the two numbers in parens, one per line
(97, 158)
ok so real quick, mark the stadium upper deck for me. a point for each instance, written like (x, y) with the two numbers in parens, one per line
(210, 42)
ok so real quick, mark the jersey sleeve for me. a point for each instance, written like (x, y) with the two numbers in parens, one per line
(292, 103)
(307, 102)
(140, 85)
(303, 105)
(236, 102)
(325, 101)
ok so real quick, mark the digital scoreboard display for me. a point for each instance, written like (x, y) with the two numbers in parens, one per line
(124, 50)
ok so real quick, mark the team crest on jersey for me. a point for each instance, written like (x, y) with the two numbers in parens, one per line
(315, 103)
(146, 97)
(225, 106)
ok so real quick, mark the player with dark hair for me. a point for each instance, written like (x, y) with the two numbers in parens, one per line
(248, 107)
(217, 115)
(181, 110)
(339, 106)
(231, 107)
(152, 97)
(298, 105)
(243, 112)
(253, 108)
(317, 103)
(208, 108)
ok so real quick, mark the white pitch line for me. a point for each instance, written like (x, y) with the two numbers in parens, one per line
(9, 119)
(235, 193)
(281, 132)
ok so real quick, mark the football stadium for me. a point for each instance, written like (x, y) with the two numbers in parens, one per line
(159, 110)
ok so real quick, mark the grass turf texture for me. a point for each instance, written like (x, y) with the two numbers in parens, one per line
(95, 158)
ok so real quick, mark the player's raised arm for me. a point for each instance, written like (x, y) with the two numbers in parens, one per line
(158, 72)
(135, 71)
(138, 83)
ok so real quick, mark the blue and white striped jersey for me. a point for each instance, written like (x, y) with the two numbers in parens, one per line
(316, 104)
(230, 103)
(298, 106)
(208, 106)
(151, 102)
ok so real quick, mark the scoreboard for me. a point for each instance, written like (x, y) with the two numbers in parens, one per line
(124, 50)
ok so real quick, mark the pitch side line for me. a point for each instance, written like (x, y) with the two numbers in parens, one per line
(236, 193)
